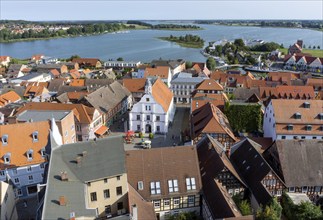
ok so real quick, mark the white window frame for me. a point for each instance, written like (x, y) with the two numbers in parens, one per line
(172, 185)
(140, 185)
(156, 202)
(30, 154)
(35, 136)
(190, 183)
(155, 188)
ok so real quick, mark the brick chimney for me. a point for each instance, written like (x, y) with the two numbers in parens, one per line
(64, 176)
(62, 201)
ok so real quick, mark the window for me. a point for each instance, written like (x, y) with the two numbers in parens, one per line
(43, 152)
(172, 186)
(108, 209)
(176, 201)
(88, 184)
(4, 139)
(166, 202)
(158, 128)
(190, 183)
(30, 177)
(138, 117)
(283, 137)
(17, 180)
(2, 173)
(313, 137)
(119, 190)
(120, 205)
(154, 188)
(78, 128)
(303, 137)
(307, 105)
(42, 166)
(105, 180)
(304, 189)
(156, 204)
(290, 127)
(30, 154)
(72, 127)
(138, 127)
(297, 115)
(29, 169)
(19, 192)
(148, 117)
(291, 189)
(93, 196)
(157, 118)
(6, 158)
(35, 136)
(147, 99)
(191, 200)
(66, 133)
(308, 127)
(320, 116)
(118, 177)
(317, 189)
(106, 193)
(140, 185)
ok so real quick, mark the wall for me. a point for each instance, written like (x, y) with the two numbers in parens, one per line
(8, 202)
(269, 120)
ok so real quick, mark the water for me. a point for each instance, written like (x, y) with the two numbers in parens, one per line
(143, 45)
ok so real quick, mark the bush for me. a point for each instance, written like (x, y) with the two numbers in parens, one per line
(141, 135)
(151, 135)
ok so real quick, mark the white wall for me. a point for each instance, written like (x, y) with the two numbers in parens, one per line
(269, 121)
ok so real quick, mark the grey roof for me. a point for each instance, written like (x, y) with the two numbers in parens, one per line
(108, 97)
(55, 84)
(171, 63)
(298, 198)
(15, 67)
(187, 78)
(245, 93)
(301, 162)
(64, 89)
(105, 158)
(42, 115)
(31, 76)
(96, 83)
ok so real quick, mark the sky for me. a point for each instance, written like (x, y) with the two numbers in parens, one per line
(47, 10)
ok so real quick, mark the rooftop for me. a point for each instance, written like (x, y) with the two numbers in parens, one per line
(42, 115)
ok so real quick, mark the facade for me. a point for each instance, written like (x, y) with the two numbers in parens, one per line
(155, 109)
(303, 63)
(293, 119)
(4, 60)
(177, 190)
(111, 100)
(46, 68)
(8, 209)
(122, 64)
(87, 62)
(176, 66)
(262, 181)
(23, 159)
(87, 120)
(183, 85)
(87, 180)
(298, 163)
(209, 120)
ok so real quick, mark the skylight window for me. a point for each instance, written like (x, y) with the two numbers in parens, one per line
(4, 139)
(35, 136)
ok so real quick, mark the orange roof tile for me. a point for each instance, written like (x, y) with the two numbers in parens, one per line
(160, 71)
(162, 94)
(3, 58)
(9, 97)
(76, 95)
(77, 82)
(55, 72)
(37, 57)
(135, 85)
(200, 99)
(86, 61)
(37, 90)
(291, 92)
(209, 84)
(18, 147)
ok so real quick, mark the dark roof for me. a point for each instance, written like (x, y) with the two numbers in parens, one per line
(245, 93)
(301, 162)
(251, 168)
(96, 83)
(163, 164)
(64, 89)
(170, 63)
(55, 84)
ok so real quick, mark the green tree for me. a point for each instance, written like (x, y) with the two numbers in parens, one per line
(120, 59)
(184, 216)
(272, 211)
(307, 210)
(239, 43)
(245, 208)
(210, 63)
(188, 64)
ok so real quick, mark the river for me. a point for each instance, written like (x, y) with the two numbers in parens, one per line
(142, 45)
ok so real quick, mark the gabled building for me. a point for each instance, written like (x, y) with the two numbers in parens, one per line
(299, 164)
(15, 71)
(296, 47)
(4, 60)
(87, 180)
(37, 93)
(209, 86)
(155, 109)
(9, 97)
(8, 201)
(199, 100)
(287, 92)
(293, 119)
(23, 157)
(87, 62)
(262, 181)
(317, 84)
(170, 179)
(208, 119)
(37, 58)
(163, 72)
(111, 100)
(46, 68)
(220, 180)
(176, 66)
(87, 120)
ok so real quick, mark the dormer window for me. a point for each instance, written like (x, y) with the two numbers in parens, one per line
(308, 127)
(307, 105)
(6, 158)
(290, 127)
(4, 139)
(43, 152)
(297, 115)
(155, 188)
(190, 183)
(35, 136)
(172, 186)
(320, 116)
(30, 154)
(140, 185)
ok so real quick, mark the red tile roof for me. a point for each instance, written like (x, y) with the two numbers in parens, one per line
(9, 97)
(162, 94)
(160, 71)
(135, 85)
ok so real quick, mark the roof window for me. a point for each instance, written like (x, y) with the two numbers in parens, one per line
(308, 127)
(290, 127)
(6, 158)
(307, 105)
(297, 115)
(320, 116)
(4, 139)
(35, 136)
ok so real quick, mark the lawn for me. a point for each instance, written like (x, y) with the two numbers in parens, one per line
(314, 53)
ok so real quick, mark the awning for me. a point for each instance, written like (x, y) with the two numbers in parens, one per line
(102, 130)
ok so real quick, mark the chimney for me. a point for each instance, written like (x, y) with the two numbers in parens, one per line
(62, 201)
(64, 176)
(78, 160)
(84, 153)
(134, 212)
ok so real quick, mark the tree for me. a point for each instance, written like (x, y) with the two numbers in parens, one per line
(184, 216)
(245, 208)
(210, 63)
(239, 43)
(120, 59)
(314, 47)
(272, 211)
(318, 47)
(307, 210)
(188, 64)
